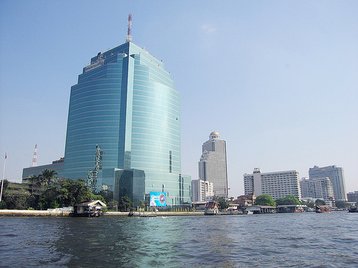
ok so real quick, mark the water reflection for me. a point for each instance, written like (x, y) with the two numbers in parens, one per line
(296, 240)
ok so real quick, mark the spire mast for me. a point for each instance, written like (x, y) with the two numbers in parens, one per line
(34, 157)
(129, 32)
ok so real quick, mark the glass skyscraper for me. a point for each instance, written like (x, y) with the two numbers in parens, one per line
(125, 105)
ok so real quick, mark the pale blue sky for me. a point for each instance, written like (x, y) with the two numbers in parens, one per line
(277, 79)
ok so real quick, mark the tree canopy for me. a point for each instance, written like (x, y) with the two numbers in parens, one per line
(288, 200)
(341, 204)
(47, 191)
(124, 203)
(222, 202)
(319, 202)
(265, 200)
(309, 204)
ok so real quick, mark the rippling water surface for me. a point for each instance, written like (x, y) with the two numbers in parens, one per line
(271, 240)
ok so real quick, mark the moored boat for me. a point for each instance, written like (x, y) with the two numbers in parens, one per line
(323, 209)
(211, 208)
(353, 209)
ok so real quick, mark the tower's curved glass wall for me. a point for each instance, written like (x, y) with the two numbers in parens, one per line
(125, 102)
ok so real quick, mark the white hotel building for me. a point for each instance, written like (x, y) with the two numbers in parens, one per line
(202, 190)
(277, 184)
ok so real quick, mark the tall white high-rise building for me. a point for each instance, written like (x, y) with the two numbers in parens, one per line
(213, 164)
(277, 184)
(335, 174)
(201, 190)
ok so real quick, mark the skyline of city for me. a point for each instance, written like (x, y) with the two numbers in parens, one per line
(282, 92)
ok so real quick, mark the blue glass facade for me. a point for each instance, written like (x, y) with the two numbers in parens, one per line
(125, 102)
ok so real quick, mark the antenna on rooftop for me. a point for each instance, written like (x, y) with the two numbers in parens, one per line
(129, 32)
(34, 157)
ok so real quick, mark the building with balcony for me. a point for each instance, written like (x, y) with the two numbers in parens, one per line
(277, 184)
(335, 174)
(201, 190)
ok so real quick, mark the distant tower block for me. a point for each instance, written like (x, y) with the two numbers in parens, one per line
(129, 32)
(34, 157)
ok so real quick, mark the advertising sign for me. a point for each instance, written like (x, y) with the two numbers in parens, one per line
(158, 199)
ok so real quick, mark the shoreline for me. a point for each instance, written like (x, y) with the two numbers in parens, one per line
(65, 213)
(34, 213)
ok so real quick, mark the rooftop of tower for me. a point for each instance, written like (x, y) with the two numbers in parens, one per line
(214, 135)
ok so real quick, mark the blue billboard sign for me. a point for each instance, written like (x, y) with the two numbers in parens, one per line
(158, 199)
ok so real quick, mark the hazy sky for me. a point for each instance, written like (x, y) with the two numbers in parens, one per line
(277, 79)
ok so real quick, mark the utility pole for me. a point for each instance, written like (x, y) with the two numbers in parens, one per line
(3, 177)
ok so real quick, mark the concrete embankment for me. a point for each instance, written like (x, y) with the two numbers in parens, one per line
(35, 213)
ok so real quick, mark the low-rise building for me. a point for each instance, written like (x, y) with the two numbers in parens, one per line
(246, 200)
(56, 165)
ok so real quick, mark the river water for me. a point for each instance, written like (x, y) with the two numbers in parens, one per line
(266, 240)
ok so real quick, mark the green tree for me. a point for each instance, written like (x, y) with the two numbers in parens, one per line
(223, 204)
(320, 202)
(73, 192)
(107, 195)
(309, 204)
(341, 204)
(141, 204)
(16, 200)
(288, 200)
(113, 205)
(50, 198)
(48, 177)
(97, 197)
(33, 182)
(124, 203)
(265, 200)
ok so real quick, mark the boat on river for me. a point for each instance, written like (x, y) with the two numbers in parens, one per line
(211, 208)
(323, 209)
(142, 214)
(353, 209)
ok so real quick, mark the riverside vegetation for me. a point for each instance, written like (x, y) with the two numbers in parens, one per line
(46, 191)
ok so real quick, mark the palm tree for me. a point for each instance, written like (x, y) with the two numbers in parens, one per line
(33, 181)
(48, 177)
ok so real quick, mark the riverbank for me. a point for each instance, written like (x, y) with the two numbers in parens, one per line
(66, 213)
(158, 213)
(34, 213)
